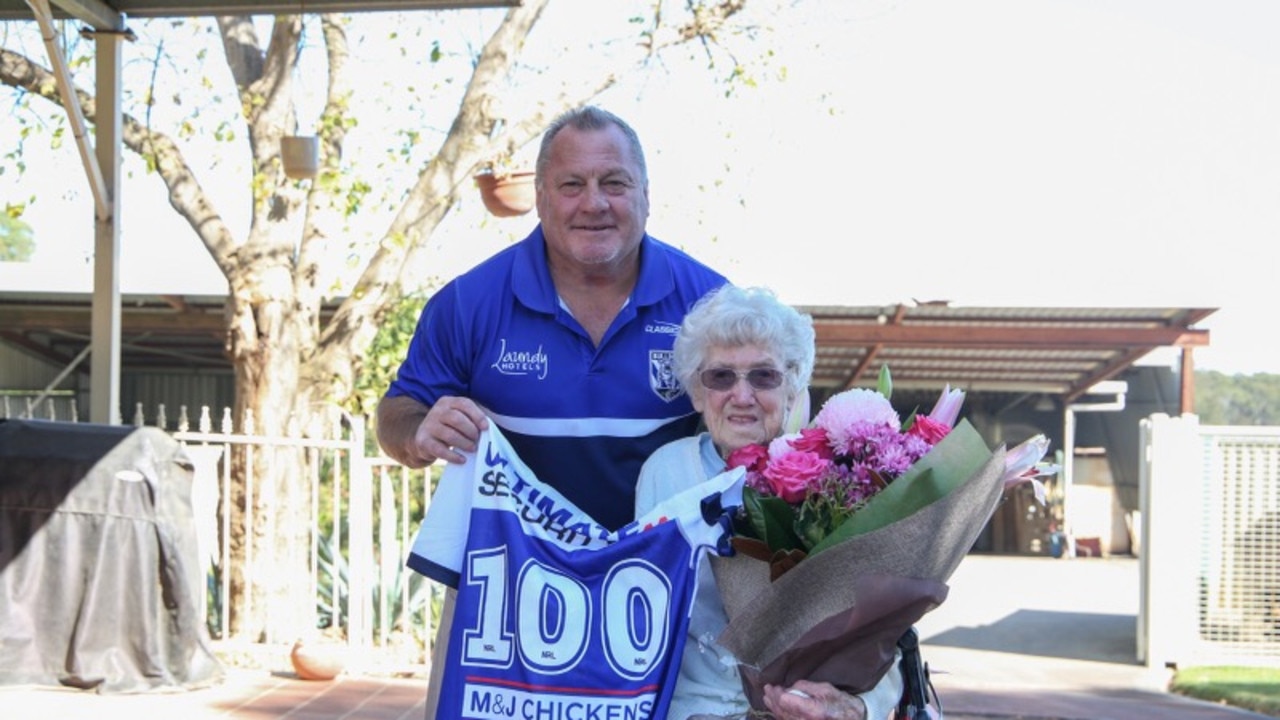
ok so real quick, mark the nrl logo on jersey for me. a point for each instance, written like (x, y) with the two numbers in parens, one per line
(662, 378)
(521, 362)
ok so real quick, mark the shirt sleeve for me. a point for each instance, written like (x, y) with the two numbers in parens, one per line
(882, 699)
(436, 364)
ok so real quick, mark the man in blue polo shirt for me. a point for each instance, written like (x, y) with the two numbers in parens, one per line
(563, 340)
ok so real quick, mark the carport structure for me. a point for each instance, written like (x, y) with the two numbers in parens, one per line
(1060, 352)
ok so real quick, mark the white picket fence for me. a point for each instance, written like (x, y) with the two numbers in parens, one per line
(387, 618)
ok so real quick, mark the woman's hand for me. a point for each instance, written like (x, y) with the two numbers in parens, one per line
(806, 700)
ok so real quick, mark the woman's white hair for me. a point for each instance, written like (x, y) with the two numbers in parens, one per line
(732, 317)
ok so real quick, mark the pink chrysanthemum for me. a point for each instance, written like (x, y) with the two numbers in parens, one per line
(844, 413)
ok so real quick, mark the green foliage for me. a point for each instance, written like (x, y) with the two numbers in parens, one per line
(356, 194)
(818, 514)
(385, 354)
(406, 611)
(770, 520)
(1222, 399)
(1251, 688)
(16, 241)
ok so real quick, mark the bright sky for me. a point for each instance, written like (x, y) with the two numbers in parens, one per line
(990, 152)
(1021, 153)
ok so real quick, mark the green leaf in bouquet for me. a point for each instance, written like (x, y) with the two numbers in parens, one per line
(817, 517)
(772, 520)
(947, 466)
(909, 421)
(884, 383)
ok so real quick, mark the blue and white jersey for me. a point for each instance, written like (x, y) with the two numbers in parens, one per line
(557, 617)
(499, 335)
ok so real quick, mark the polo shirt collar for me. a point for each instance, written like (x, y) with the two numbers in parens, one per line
(531, 275)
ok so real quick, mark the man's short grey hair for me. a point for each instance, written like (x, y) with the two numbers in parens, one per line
(732, 317)
(589, 117)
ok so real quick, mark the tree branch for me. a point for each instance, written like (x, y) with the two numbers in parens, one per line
(471, 141)
(185, 194)
(324, 209)
(429, 201)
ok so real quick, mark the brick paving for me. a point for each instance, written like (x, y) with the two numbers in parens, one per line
(248, 694)
(1019, 639)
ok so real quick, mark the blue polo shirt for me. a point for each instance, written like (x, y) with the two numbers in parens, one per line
(499, 335)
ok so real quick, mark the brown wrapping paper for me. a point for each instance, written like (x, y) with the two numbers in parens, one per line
(837, 615)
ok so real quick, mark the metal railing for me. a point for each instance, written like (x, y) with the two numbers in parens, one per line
(357, 548)
(365, 512)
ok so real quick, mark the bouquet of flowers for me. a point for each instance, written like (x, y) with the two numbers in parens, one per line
(849, 531)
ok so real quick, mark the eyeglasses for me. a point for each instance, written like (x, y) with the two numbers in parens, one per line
(725, 378)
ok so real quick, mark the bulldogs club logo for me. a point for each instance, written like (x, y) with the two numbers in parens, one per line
(662, 379)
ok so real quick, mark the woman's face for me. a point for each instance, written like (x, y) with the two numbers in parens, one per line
(742, 414)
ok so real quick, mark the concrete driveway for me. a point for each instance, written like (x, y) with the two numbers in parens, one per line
(1044, 638)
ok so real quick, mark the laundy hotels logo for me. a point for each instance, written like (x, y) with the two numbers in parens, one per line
(521, 362)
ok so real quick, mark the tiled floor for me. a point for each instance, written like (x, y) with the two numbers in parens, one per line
(249, 694)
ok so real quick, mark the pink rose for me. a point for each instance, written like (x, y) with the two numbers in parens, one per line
(928, 429)
(791, 475)
(751, 457)
(813, 440)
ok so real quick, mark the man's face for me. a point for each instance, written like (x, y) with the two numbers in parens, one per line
(592, 200)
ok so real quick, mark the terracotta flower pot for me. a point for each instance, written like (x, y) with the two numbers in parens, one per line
(317, 660)
(506, 195)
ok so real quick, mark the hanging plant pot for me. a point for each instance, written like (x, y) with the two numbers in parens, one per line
(300, 155)
(506, 195)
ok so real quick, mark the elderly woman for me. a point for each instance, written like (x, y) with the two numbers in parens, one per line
(744, 357)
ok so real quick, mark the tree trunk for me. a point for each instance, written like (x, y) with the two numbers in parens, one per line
(264, 344)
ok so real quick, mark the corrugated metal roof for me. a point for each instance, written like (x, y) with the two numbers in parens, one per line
(1055, 350)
